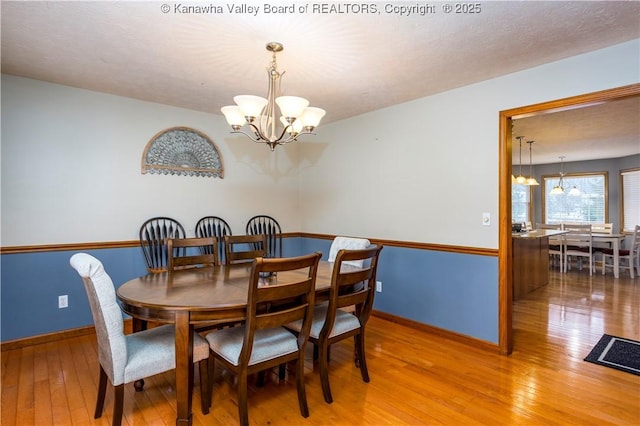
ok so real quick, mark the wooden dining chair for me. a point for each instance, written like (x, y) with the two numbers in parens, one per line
(244, 248)
(349, 286)
(631, 256)
(579, 244)
(557, 244)
(131, 357)
(214, 226)
(154, 233)
(269, 226)
(263, 342)
(192, 252)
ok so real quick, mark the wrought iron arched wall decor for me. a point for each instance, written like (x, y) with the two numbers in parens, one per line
(182, 151)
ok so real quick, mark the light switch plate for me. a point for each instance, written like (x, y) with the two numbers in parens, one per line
(486, 219)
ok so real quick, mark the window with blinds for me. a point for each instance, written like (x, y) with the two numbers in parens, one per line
(630, 199)
(520, 203)
(584, 199)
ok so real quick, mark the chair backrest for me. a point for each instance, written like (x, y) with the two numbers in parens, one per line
(153, 240)
(578, 235)
(352, 286)
(270, 227)
(181, 258)
(214, 226)
(347, 243)
(107, 316)
(244, 248)
(602, 228)
(553, 226)
(290, 298)
(635, 243)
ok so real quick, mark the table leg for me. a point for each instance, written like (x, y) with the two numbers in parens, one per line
(616, 257)
(184, 367)
(138, 325)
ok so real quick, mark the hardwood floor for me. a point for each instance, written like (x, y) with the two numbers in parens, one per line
(416, 378)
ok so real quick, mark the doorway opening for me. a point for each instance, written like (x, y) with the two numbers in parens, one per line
(505, 290)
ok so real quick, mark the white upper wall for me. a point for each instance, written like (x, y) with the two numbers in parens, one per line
(71, 168)
(426, 170)
(422, 171)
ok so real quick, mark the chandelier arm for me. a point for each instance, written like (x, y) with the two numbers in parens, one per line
(255, 138)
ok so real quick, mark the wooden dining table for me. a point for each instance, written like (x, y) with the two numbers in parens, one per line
(196, 296)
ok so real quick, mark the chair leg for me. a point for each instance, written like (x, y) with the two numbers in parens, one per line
(211, 374)
(102, 390)
(118, 405)
(242, 399)
(205, 401)
(323, 357)
(302, 394)
(282, 371)
(359, 340)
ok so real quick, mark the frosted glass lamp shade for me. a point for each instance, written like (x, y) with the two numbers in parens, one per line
(521, 180)
(251, 106)
(234, 115)
(311, 116)
(574, 191)
(292, 106)
(532, 181)
(557, 190)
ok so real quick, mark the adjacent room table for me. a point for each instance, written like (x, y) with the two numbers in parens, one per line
(197, 296)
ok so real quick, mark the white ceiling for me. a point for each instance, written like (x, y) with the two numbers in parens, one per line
(346, 63)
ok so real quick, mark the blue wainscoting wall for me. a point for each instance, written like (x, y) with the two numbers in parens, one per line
(453, 291)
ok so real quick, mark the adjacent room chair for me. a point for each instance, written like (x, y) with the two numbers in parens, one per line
(262, 342)
(214, 226)
(347, 243)
(349, 286)
(128, 358)
(556, 244)
(631, 256)
(579, 244)
(181, 257)
(153, 240)
(244, 248)
(270, 227)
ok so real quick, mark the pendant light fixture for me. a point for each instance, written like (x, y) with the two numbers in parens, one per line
(520, 180)
(531, 181)
(296, 116)
(575, 192)
(559, 188)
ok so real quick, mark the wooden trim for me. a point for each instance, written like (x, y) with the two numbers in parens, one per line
(46, 338)
(69, 247)
(125, 244)
(505, 311)
(460, 338)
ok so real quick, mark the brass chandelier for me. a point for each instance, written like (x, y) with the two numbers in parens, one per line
(296, 116)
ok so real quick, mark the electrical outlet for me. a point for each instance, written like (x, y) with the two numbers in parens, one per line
(379, 286)
(63, 301)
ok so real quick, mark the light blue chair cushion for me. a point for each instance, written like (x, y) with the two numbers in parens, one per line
(267, 344)
(344, 322)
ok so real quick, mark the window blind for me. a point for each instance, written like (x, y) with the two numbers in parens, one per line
(630, 199)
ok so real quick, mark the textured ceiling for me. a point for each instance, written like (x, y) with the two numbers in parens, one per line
(347, 63)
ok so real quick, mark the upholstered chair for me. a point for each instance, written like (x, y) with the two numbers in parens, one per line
(128, 358)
